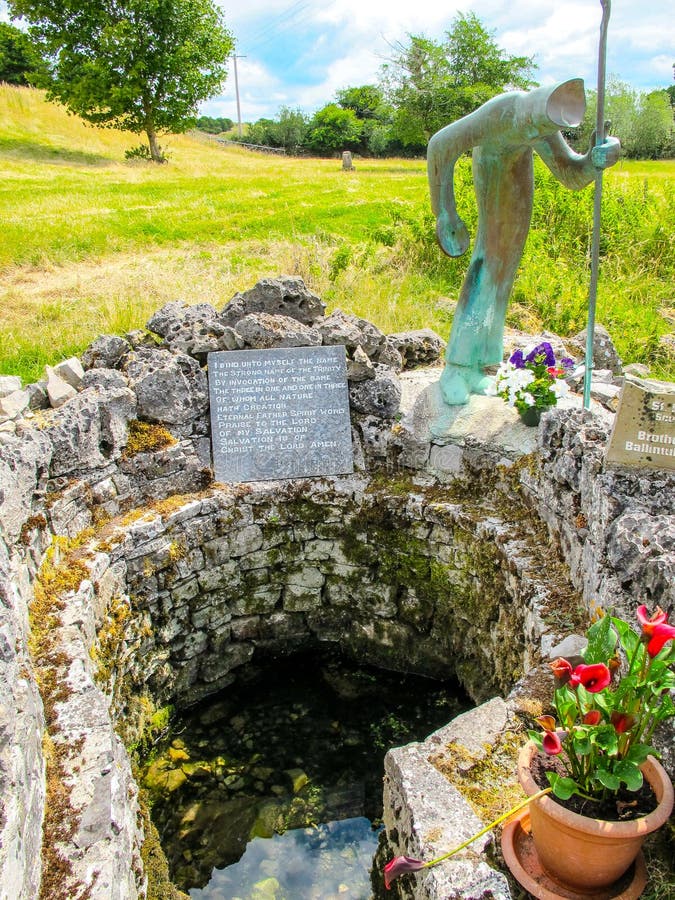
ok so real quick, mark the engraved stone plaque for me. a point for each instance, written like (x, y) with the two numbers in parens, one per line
(281, 413)
(644, 428)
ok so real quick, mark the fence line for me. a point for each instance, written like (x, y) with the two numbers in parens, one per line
(260, 147)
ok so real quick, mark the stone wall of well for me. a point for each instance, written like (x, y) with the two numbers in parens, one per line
(432, 556)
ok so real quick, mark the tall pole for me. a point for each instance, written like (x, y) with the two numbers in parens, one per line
(597, 204)
(236, 88)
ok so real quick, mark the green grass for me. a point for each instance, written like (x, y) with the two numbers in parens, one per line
(92, 244)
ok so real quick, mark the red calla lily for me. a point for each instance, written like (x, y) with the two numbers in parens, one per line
(661, 634)
(400, 865)
(594, 678)
(622, 722)
(592, 717)
(561, 669)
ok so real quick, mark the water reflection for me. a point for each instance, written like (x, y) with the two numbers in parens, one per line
(329, 862)
(245, 780)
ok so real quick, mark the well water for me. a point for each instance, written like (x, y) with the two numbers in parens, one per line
(273, 789)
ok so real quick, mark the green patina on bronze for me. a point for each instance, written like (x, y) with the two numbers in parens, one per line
(503, 133)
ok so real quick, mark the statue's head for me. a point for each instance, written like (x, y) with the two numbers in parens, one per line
(566, 103)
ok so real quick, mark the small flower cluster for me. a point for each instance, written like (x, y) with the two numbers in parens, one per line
(532, 378)
(608, 706)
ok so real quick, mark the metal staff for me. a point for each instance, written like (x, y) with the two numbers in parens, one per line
(597, 203)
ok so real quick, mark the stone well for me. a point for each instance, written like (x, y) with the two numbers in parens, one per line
(129, 580)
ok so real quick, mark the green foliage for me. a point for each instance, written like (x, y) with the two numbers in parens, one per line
(432, 83)
(642, 121)
(139, 152)
(366, 101)
(20, 60)
(332, 129)
(287, 131)
(213, 125)
(140, 65)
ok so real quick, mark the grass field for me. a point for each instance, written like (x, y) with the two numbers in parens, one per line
(93, 244)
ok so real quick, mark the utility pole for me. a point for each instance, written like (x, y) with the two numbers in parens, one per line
(236, 88)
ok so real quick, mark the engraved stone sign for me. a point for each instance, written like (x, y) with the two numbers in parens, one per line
(281, 413)
(644, 428)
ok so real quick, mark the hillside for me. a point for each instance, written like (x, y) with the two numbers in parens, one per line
(93, 243)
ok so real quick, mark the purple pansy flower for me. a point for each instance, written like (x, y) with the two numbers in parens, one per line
(543, 350)
(517, 360)
(567, 363)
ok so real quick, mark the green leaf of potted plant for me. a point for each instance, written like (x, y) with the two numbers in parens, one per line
(606, 711)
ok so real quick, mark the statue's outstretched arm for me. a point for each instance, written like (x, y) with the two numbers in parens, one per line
(444, 149)
(576, 170)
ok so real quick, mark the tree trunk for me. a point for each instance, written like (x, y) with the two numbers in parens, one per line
(155, 149)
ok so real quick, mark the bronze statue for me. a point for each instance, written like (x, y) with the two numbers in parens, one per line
(503, 133)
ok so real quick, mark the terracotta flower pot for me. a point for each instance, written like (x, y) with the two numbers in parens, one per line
(583, 853)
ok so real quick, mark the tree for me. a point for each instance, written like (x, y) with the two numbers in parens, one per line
(333, 128)
(643, 122)
(431, 84)
(652, 132)
(366, 101)
(213, 124)
(136, 65)
(290, 129)
(20, 60)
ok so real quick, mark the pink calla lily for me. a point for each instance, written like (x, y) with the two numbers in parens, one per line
(400, 865)
(649, 623)
(551, 743)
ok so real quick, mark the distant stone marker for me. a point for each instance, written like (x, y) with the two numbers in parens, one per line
(280, 413)
(347, 164)
(644, 428)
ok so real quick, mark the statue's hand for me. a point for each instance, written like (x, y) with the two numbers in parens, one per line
(451, 234)
(606, 154)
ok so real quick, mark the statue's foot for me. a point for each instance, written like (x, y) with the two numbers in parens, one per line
(480, 383)
(454, 388)
(459, 382)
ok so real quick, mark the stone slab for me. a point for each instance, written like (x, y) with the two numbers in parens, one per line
(644, 428)
(279, 413)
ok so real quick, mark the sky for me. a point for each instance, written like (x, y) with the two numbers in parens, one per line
(298, 53)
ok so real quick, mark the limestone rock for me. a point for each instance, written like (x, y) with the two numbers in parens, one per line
(92, 428)
(196, 330)
(379, 396)
(13, 405)
(38, 398)
(418, 348)
(389, 355)
(71, 371)
(170, 387)
(261, 331)
(58, 390)
(285, 296)
(9, 384)
(345, 328)
(105, 352)
(604, 351)
(359, 368)
(141, 339)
